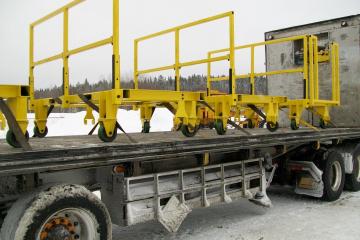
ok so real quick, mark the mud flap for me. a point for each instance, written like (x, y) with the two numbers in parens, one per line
(173, 214)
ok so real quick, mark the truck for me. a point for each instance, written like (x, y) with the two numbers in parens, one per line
(46, 192)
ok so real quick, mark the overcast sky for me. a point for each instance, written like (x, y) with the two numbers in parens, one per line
(91, 21)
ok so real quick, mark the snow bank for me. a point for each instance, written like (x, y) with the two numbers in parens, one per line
(64, 124)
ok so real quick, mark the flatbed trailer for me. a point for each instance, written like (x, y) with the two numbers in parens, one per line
(162, 176)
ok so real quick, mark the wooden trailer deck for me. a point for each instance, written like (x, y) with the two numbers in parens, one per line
(74, 152)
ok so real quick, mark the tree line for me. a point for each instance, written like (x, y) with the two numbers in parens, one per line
(190, 83)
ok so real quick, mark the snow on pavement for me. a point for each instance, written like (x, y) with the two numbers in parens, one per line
(65, 124)
(292, 217)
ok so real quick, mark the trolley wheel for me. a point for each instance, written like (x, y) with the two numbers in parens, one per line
(352, 181)
(146, 127)
(59, 212)
(189, 132)
(12, 141)
(104, 137)
(219, 127)
(333, 176)
(250, 123)
(262, 124)
(39, 134)
(272, 127)
(322, 124)
(293, 125)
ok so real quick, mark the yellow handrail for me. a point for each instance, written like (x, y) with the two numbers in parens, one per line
(252, 73)
(66, 53)
(177, 64)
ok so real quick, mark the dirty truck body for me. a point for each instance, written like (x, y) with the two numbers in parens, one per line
(163, 176)
(46, 193)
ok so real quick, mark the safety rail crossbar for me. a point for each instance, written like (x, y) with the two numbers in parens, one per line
(178, 65)
(252, 73)
(66, 53)
(309, 69)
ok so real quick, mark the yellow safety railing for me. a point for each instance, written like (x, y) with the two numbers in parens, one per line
(177, 64)
(66, 53)
(252, 75)
(309, 68)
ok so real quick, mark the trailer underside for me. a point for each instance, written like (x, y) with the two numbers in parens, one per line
(76, 152)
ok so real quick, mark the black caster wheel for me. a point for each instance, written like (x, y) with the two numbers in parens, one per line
(293, 125)
(219, 127)
(146, 127)
(189, 132)
(104, 137)
(12, 141)
(39, 134)
(250, 123)
(272, 127)
(323, 124)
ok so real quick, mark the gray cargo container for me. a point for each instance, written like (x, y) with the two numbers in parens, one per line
(346, 32)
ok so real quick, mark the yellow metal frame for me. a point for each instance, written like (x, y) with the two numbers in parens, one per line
(177, 64)
(16, 98)
(184, 103)
(310, 75)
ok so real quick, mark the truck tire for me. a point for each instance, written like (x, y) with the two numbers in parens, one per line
(333, 176)
(59, 212)
(352, 181)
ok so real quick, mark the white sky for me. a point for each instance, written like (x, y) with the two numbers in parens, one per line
(91, 21)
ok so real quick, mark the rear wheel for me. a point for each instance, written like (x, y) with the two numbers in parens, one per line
(250, 123)
(323, 124)
(189, 131)
(333, 176)
(219, 127)
(293, 125)
(104, 137)
(60, 212)
(352, 181)
(39, 134)
(272, 127)
(146, 127)
(12, 141)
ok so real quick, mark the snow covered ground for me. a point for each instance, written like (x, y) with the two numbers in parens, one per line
(60, 124)
(291, 217)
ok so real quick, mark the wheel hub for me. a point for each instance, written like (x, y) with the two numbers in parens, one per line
(58, 229)
(358, 173)
(59, 233)
(335, 176)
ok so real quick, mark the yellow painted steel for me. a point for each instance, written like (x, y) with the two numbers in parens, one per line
(184, 105)
(2, 121)
(108, 102)
(16, 98)
(177, 64)
(309, 70)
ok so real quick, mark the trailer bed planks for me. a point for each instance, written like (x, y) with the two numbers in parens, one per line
(74, 152)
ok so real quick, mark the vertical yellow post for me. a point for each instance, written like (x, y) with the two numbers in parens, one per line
(136, 65)
(306, 67)
(177, 59)
(31, 63)
(316, 69)
(335, 72)
(311, 70)
(232, 81)
(208, 82)
(116, 54)
(252, 76)
(65, 53)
